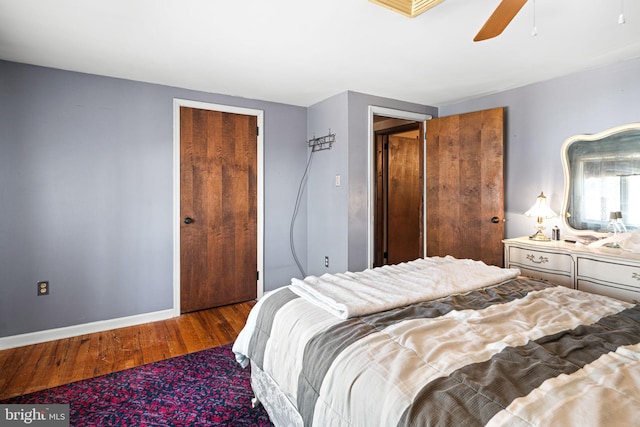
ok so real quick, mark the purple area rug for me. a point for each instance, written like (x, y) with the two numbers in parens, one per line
(198, 389)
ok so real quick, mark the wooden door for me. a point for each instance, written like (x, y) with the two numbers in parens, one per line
(465, 180)
(404, 198)
(399, 183)
(218, 208)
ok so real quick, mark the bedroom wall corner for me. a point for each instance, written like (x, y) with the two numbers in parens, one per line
(338, 215)
(359, 169)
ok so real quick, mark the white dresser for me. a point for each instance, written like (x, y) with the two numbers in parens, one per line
(605, 271)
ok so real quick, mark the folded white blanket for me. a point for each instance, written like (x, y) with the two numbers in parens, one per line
(356, 294)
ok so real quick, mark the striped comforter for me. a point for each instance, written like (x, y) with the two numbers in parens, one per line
(518, 353)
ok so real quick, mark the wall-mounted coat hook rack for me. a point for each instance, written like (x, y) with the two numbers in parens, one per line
(323, 142)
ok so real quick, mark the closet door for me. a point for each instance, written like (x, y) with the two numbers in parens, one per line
(218, 207)
(465, 186)
(404, 199)
(399, 190)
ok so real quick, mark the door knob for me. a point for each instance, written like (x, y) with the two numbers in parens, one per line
(188, 220)
(495, 220)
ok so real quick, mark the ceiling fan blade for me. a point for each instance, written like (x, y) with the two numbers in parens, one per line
(498, 21)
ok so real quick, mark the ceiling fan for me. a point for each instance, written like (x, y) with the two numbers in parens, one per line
(495, 25)
(499, 19)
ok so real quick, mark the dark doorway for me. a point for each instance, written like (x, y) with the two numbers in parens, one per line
(399, 194)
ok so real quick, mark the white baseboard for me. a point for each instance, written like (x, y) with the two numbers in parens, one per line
(86, 328)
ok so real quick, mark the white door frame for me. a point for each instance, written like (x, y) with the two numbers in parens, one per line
(371, 152)
(259, 114)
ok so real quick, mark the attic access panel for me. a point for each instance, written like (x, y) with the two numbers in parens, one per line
(410, 8)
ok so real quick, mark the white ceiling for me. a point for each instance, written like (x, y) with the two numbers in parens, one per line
(301, 51)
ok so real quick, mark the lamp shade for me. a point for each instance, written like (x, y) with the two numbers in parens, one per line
(541, 209)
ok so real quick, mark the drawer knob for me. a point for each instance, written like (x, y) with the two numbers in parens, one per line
(540, 260)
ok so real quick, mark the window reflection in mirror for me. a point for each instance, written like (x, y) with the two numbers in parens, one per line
(602, 175)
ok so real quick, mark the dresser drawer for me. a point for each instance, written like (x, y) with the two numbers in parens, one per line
(558, 279)
(604, 271)
(541, 260)
(620, 293)
(609, 272)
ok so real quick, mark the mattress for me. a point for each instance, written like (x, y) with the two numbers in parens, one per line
(516, 352)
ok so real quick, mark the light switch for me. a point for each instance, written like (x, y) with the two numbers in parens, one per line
(337, 180)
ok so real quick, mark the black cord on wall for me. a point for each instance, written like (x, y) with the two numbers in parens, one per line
(295, 214)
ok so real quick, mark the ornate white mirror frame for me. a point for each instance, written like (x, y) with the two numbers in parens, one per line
(601, 176)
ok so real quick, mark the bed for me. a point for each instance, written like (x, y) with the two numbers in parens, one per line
(442, 341)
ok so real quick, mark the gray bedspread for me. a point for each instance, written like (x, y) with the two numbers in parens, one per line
(523, 352)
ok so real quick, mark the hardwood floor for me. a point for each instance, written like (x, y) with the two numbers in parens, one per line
(40, 366)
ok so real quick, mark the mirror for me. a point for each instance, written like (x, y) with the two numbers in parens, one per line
(602, 178)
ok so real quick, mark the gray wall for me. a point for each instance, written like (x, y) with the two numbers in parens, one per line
(86, 194)
(358, 168)
(327, 203)
(86, 181)
(337, 217)
(541, 116)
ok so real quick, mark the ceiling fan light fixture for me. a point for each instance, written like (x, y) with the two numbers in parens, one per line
(409, 8)
(621, 17)
(534, 30)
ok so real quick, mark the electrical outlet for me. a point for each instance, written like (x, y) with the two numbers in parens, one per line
(43, 288)
(326, 261)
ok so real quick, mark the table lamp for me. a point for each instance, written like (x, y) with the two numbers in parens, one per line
(541, 211)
